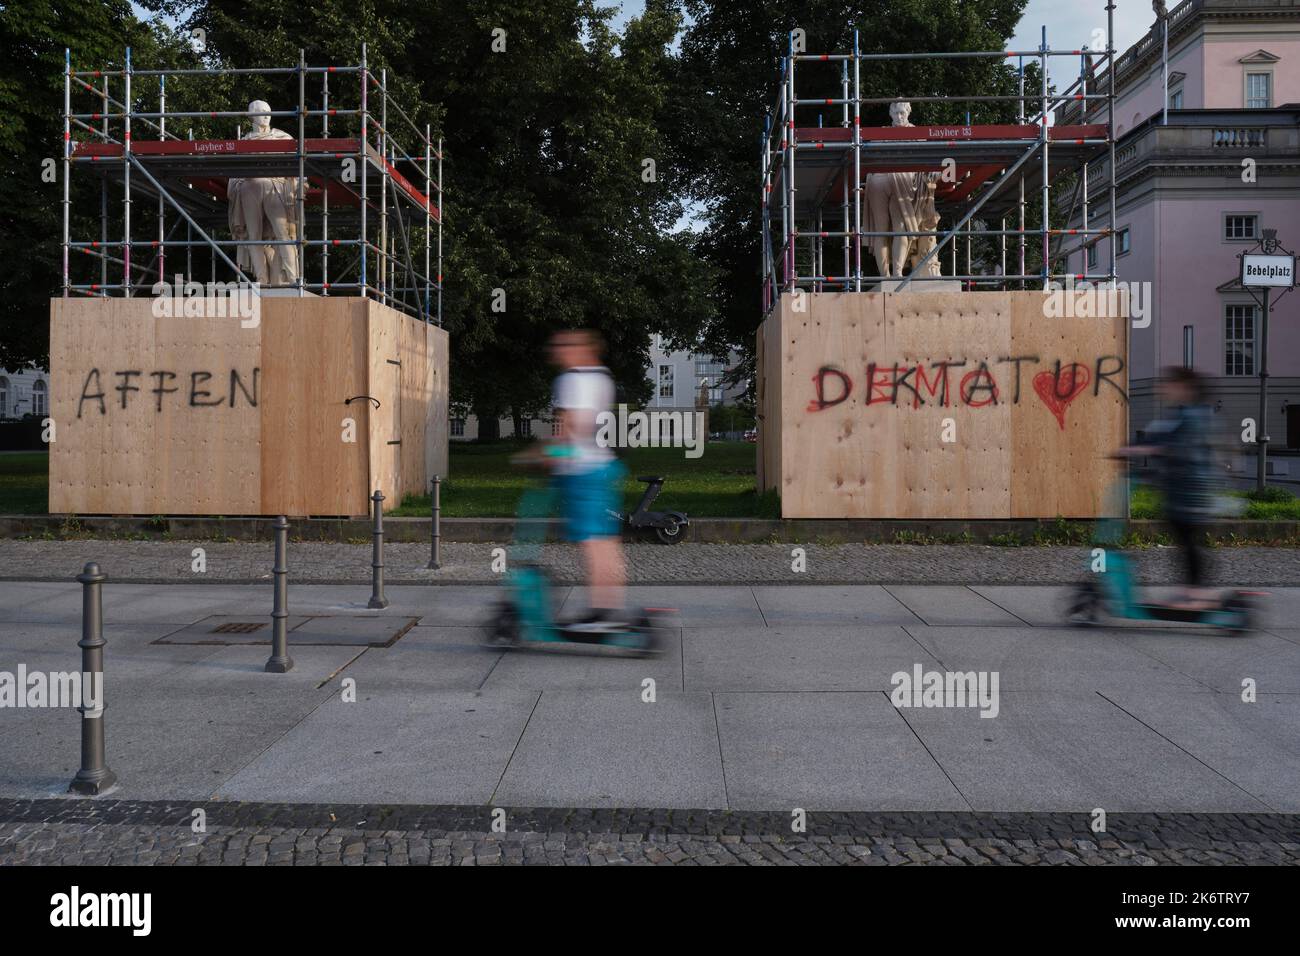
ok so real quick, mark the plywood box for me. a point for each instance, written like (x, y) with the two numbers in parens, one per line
(306, 412)
(942, 405)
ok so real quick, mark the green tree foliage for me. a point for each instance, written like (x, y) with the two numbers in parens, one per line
(33, 35)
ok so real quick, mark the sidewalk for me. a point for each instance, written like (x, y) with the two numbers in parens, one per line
(768, 698)
(332, 563)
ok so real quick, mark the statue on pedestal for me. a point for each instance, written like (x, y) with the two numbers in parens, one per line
(265, 208)
(900, 202)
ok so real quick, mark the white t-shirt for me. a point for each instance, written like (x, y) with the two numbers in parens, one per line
(584, 392)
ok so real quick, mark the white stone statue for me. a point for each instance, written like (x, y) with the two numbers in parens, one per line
(900, 202)
(265, 208)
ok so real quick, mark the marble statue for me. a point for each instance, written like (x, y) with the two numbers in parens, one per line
(265, 208)
(900, 202)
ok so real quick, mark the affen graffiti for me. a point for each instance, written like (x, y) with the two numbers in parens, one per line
(977, 385)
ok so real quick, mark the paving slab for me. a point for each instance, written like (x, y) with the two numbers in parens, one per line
(695, 606)
(790, 658)
(1068, 751)
(826, 751)
(1255, 745)
(447, 747)
(945, 605)
(174, 738)
(609, 749)
(1222, 661)
(1040, 605)
(831, 604)
(427, 659)
(578, 667)
(1049, 659)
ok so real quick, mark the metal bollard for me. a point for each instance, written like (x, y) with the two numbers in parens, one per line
(280, 662)
(377, 598)
(94, 777)
(435, 544)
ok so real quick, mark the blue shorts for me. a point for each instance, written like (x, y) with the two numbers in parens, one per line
(587, 500)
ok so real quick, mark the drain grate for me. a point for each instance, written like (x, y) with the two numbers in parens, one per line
(238, 627)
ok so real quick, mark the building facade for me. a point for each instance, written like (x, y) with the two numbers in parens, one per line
(24, 392)
(1196, 188)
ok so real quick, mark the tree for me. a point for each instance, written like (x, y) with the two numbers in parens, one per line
(33, 35)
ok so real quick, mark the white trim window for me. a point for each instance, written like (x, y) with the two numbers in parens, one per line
(4, 396)
(457, 427)
(1259, 91)
(1239, 338)
(40, 405)
(666, 388)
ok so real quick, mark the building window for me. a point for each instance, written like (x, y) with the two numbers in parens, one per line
(525, 428)
(4, 396)
(666, 382)
(458, 427)
(1239, 340)
(1175, 99)
(1123, 245)
(1092, 256)
(555, 427)
(38, 398)
(1240, 227)
(1259, 91)
(1188, 339)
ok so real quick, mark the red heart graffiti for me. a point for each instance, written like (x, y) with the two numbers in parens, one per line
(1057, 397)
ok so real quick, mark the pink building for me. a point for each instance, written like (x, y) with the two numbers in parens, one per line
(1196, 190)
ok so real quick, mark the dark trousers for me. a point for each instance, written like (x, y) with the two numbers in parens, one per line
(1190, 538)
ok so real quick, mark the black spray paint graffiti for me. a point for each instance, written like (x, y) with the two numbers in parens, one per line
(198, 394)
(1056, 386)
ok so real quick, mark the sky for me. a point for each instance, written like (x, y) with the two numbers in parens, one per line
(1069, 22)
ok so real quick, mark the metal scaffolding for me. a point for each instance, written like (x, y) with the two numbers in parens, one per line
(811, 173)
(352, 184)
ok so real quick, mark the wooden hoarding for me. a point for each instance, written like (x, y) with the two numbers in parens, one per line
(942, 405)
(186, 415)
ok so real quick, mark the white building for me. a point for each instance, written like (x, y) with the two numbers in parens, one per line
(24, 392)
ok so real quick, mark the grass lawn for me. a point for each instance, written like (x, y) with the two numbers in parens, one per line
(24, 482)
(718, 484)
(483, 484)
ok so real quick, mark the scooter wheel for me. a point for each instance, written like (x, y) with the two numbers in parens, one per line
(504, 631)
(670, 532)
(1245, 615)
(1084, 605)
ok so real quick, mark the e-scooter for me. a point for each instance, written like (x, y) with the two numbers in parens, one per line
(1111, 589)
(526, 615)
(667, 525)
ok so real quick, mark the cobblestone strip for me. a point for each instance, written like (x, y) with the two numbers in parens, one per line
(121, 832)
(333, 563)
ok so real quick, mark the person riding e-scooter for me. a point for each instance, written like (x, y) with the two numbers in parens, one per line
(587, 476)
(1181, 445)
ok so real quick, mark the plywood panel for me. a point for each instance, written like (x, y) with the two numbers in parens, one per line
(175, 415)
(314, 361)
(1074, 408)
(149, 414)
(936, 405)
(384, 370)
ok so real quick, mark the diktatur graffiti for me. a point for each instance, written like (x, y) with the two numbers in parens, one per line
(1056, 386)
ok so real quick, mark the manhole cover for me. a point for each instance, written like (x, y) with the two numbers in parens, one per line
(238, 627)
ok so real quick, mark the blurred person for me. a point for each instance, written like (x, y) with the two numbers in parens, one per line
(588, 478)
(1181, 445)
